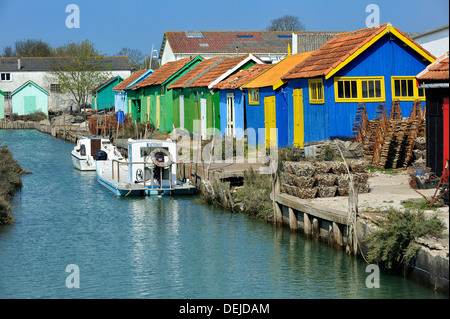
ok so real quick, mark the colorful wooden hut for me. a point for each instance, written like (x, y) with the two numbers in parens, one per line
(151, 101)
(29, 98)
(201, 104)
(371, 66)
(232, 100)
(2, 104)
(120, 90)
(103, 95)
(267, 105)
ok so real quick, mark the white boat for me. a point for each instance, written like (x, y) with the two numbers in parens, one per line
(83, 153)
(151, 169)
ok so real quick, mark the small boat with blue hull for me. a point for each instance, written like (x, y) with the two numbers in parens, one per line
(151, 169)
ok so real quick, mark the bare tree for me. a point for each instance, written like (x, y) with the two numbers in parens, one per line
(33, 48)
(135, 56)
(286, 23)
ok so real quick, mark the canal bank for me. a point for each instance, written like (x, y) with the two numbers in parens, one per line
(316, 218)
(328, 220)
(159, 248)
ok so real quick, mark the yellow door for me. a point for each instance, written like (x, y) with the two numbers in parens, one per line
(129, 106)
(270, 121)
(158, 105)
(299, 136)
(148, 109)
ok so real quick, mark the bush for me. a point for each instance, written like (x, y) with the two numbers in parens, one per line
(10, 182)
(393, 243)
(254, 195)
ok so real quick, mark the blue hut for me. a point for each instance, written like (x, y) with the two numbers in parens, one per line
(370, 66)
(120, 90)
(231, 100)
(267, 103)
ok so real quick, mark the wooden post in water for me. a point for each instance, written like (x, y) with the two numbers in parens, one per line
(316, 229)
(337, 235)
(292, 219)
(307, 224)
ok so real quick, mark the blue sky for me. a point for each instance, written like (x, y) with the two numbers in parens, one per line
(114, 24)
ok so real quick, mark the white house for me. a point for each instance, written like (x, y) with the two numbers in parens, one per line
(434, 40)
(14, 72)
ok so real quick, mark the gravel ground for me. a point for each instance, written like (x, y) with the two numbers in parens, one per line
(386, 191)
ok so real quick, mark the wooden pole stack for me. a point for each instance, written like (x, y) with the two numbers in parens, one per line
(388, 140)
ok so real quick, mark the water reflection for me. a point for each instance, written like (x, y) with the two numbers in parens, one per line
(157, 247)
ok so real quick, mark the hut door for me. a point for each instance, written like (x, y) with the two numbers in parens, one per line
(298, 118)
(230, 114)
(181, 111)
(203, 118)
(158, 114)
(29, 103)
(270, 121)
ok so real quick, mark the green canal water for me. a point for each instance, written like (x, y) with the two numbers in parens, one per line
(159, 248)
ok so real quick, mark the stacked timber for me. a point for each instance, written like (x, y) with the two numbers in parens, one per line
(389, 140)
(322, 179)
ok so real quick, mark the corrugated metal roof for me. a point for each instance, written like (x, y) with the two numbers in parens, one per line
(122, 85)
(26, 64)
(274, 74)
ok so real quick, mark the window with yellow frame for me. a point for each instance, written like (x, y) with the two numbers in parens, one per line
(404, 88)
(316, 91)
(359, 89)
(253, 96)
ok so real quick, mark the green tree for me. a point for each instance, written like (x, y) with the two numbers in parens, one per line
(286, 23)
(79, 68)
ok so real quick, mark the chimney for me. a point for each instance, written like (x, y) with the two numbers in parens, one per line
(294, 49)
(18, 64)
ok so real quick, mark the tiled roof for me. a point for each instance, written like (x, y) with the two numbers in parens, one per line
(274, 74)
(122, 85)
(339, 49)
(195, 72)
(105, 83)
(223, 66)
(113, 63)
(165, 72)
(242, 77)
(226, 42)
(436, 71)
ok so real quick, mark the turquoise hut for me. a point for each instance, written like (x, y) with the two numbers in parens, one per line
(103, 95)
(28, 99)
(2, 104)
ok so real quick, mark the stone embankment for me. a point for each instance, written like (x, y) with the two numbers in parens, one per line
(66, 129)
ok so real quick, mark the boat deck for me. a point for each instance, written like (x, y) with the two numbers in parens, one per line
(117, 180)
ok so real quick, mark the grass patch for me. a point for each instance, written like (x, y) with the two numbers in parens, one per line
(393, 244)
(389, 171)
(420, 204)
